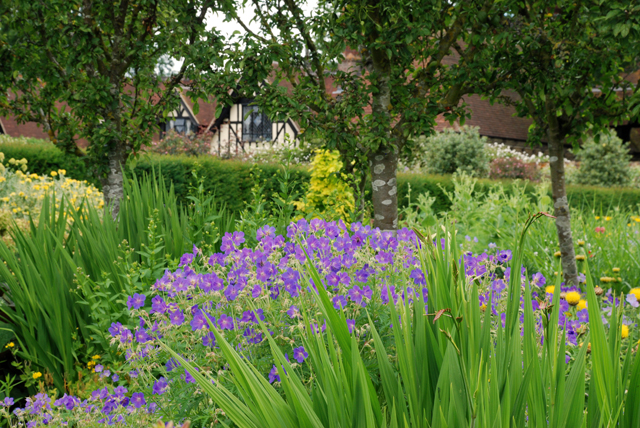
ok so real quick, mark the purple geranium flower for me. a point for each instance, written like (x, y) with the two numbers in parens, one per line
(504, 256)
(300, 354)
(176, 317)
(339, 302)
(136, 301)
(160, 386)
(137, 400)
(273, 375)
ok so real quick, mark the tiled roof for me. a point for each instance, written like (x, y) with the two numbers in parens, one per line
(496, 121)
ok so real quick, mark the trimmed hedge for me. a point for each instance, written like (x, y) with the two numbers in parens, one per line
(232, 181)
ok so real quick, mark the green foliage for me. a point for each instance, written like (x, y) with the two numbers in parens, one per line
(450, 365)
(106, 259)
(328, 196)
(604, 161)
(232, 182)
(461, 151)
(98, 59)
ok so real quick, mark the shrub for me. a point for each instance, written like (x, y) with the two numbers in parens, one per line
(501, 150)
(328, 195)
(22, 194)
(177, 144)
(44, 157)
(604, 161)
(451, 151)
(513, 168)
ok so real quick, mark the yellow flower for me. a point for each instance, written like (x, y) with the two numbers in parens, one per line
(597, 217)
(557, 254)
(549, 289)
(62, 172)
(10, 345)
(581, 257)
(36, 375)
(582, 304)
(53, 173)
(635, 292)
(581, 243)
(607, 279)
(625, 331)
(616, 270)
(96, 357)
(572, 298)
(607, 218)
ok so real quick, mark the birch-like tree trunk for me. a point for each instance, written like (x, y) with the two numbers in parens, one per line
(383, 162)
(560, 202)
(112, 184)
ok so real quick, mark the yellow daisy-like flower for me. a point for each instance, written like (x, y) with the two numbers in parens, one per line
(582, 304)
(581, 257)
(10, 345)
(96, 357)
(573, 298)
(625, 331)
(549, 289)
(607, 279)
(36, 375)
(53, 173)
(62, 172)
(581, 243)
(616, 270)
(597, 217)
(635, 292)
(557, 254)
(607, 218)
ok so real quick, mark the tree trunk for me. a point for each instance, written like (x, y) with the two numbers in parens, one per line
(383, 162)
(112, 185)
(561, 204)
(383, 165)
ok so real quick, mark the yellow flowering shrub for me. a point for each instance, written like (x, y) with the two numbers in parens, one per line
(21, 193)
(328, 194)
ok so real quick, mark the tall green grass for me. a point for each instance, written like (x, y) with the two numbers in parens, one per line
(70, 273)
(449, 364)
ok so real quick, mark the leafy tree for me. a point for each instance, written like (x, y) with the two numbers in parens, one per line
(568, 61)
(406, 72)
(87, 69)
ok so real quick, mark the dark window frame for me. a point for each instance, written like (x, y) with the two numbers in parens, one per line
(256, 126)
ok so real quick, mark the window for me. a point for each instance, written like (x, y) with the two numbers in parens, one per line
(256, 126)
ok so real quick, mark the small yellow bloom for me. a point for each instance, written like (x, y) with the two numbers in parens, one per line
(557, 254)
(62, 172)
(53, 173)
(96, 357)
(581, 243)
(581, 257)
(10, 345)
(549, 289)
(616, 270)
(607, 279)
(607, 218)
(597, 217)
(36, 375)
(635, 292)
(572, 298)
(625, 331)
(582, 304)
